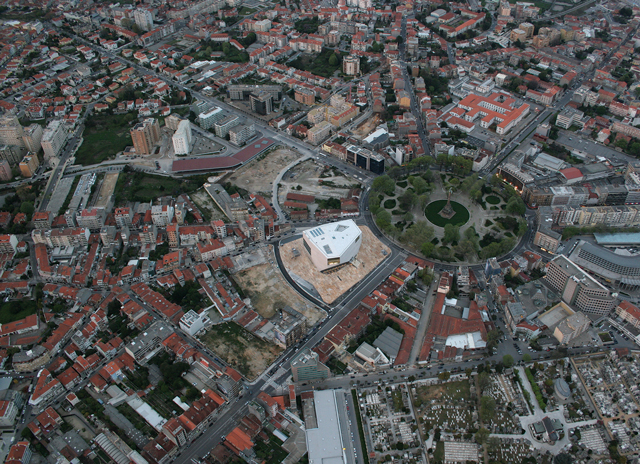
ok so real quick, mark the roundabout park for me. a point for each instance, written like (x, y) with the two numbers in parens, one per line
(433, 210)
(448, 217)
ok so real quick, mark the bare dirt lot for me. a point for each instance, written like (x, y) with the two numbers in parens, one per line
(308, 175)
(256, 177)
(269, 292)
(203, 201)
(79, 426)
(240, 348)
(366, 127)
(106, 190)
(331, 286)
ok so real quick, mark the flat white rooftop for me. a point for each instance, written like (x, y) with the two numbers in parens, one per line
(334, 238)
(324, 443)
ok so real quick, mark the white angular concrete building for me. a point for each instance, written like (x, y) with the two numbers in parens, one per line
(332, 244)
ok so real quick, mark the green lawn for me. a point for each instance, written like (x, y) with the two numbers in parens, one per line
(492, 199)
(438, 454)
(321, 64)
(458, 391)
(337, 367)
(244, 11)
(605, 337)
(433, 208)
(143, 187)
(15, 310)
(390, 203)
(100, 146)
(270, 450)
(104, 136)
(398, 404)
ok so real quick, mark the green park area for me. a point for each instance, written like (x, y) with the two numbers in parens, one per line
(324, 64)
(605, 337)
(144, 187)
(432, 212)
(15, 310)
(407, 201)
(104, 136)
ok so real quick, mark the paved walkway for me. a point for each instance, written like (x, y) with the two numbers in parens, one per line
(274, 195)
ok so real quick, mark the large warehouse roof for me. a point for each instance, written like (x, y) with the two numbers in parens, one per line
(213, 163)
(333, 239)
(324, 442)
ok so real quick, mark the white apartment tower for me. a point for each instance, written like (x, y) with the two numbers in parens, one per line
(32, 137)
(143, 18)
(53, 139)
(208, 119)
(161, 215)
(182, 138)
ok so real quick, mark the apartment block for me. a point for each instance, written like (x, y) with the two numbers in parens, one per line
(145, 135)
(28, 165)
(123, 217)
(143, 18)
(577, 288)
(208, 119)
(243, 92)
(92, 218)
(351, 65)
(62, 237)
(547, 238)
(568, 116)
(161, 215)
(319, 132)
(182, 138)
(629, 313)
(223, 126)
(306, 366)
(5, 170)
(572, 327)
(32, 137)
(305, 96)
(12, 154)
(261, 102)
(239, 135)
(53, 139)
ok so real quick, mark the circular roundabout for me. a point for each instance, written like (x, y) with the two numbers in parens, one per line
(433, 210)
